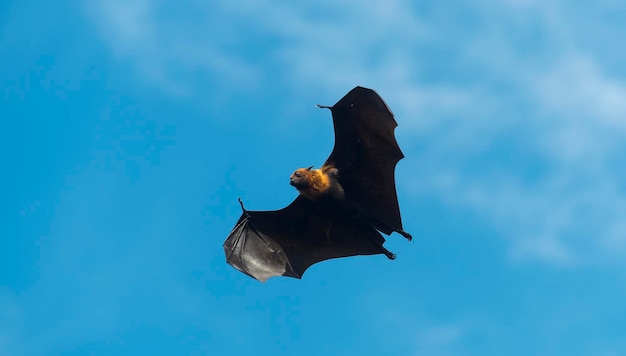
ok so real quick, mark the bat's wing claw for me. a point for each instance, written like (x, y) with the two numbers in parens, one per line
(242, 207)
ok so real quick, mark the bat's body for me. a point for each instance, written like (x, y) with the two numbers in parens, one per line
(341, 207)
(316, 184)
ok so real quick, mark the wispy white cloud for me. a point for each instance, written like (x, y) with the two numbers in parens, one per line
(570, 211)
(421, 332)
(172, 57)
(446, 339)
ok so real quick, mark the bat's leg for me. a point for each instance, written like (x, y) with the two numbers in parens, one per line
(384, 226)
(390, 255)
(405, 234)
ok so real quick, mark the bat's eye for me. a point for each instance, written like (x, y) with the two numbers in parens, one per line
(297, 174)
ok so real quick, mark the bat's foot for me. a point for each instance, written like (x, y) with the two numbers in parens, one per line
(389, 254)
(405, 234)
(323, 106)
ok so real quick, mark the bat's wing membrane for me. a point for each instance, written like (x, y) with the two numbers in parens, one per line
(286, 242)
(366, 153)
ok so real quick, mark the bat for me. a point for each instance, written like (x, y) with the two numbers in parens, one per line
(342, 207)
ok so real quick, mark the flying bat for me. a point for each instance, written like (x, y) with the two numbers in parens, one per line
(342, 207)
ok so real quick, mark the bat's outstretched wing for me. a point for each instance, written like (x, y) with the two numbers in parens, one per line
(286, 242)
(366, 154)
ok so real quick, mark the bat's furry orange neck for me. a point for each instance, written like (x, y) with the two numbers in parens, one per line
(314, 184)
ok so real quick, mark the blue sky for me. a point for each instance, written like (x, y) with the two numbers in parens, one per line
(130, 128)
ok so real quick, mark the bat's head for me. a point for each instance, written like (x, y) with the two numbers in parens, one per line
(301, 178)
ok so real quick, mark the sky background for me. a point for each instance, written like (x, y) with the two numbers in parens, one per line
(130, 128)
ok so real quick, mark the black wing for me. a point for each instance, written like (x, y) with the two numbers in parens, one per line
(286, 242)
(366, 154)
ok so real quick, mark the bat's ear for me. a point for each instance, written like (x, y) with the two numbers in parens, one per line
(308, 169)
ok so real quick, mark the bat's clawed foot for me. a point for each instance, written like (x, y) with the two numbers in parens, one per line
(405, 234)
(390, 255)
